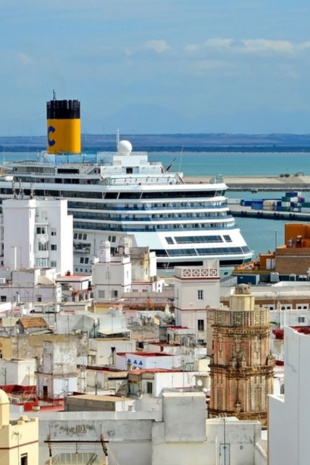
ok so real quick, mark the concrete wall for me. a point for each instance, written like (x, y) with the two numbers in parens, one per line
(141, 360)
(179, 435)
(24, 346)
(103, 349)
(18, 372)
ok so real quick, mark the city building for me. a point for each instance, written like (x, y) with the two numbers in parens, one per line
(43, 238)
(19, 439)
(289, 411)
(174, 430)
(111, 275)
(241, 369)
(196, 289)
(57, 373)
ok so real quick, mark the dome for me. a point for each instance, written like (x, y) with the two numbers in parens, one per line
(124, 147)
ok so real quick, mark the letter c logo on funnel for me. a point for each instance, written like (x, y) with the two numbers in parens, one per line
(51, 142)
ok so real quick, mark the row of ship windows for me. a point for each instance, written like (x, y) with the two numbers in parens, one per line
(119, 195)
(203, 251)
(158, 227)
(197, 239)
(83, 237)
(164, 216)
(145, 206)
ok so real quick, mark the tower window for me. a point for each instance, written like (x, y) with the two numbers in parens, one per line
(200, 294)
(201, 325)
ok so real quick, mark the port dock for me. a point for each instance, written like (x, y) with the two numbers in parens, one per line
(240, 211)
(260, 183)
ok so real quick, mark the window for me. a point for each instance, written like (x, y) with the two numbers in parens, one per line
(53, 264)
(301, 319)
(3, 298)
(115, 294)
(302, 307)
(201, 325)
(84, 237)
(24, 459)
(82, 260)
(53, 232)
(41, 230)
(39, 298)
(75, 236)
(200, 294)
(42, 246)
(169, 240)
(149, 388)
(101, 294)
(53, 246)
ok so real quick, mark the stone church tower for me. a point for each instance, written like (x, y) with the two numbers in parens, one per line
(242, 367)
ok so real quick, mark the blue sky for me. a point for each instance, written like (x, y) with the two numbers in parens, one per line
(154, 66)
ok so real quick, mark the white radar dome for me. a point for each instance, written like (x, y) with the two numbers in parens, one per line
(124, 147)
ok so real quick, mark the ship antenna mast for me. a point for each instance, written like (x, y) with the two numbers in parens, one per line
(117, 138)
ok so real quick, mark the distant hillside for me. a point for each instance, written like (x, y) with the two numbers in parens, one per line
(174, 142)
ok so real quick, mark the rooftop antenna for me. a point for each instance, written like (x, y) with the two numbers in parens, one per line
(13, 189)
(21, 190)
(54, 95)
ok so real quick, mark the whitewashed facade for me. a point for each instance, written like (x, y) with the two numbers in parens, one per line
(144, 360)
(37, 233)
(289, 412)
(57, 374)
(111, 275)
(196, 289)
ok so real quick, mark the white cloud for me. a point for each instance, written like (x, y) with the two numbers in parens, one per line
(264, 45)
(159, 46)
(251, 46)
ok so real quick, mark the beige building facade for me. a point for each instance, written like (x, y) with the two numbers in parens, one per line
(19, 439)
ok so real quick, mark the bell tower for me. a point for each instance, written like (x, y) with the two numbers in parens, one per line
(242, 367)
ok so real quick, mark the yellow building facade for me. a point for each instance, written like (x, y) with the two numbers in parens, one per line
(19, 439)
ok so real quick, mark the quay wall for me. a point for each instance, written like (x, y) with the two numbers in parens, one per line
(261, 183)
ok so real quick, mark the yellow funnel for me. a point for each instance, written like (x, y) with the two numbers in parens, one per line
(63, 126)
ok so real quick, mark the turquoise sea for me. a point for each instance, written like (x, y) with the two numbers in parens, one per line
(261, 235)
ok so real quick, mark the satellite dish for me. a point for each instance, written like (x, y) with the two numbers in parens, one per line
(199, 383)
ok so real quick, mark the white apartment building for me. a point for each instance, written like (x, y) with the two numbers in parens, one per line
(37, 233)
(289, 412)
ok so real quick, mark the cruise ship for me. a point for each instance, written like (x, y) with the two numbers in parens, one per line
(123, 197)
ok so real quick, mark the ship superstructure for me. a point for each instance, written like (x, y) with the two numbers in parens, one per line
(121, 196)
